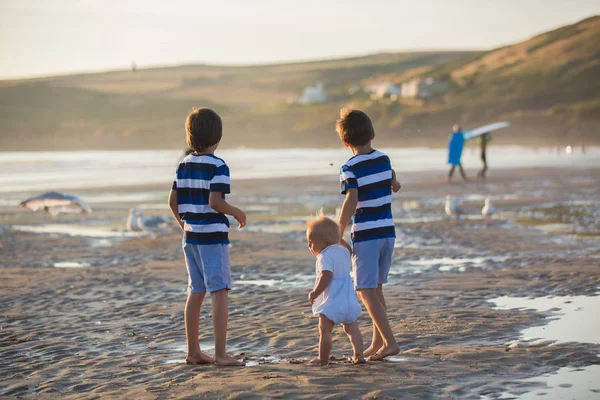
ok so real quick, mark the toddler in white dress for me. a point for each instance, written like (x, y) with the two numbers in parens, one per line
(333, 298)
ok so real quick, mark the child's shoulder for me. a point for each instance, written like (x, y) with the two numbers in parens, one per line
(337, 250)
(203, 159)
(358, 158)
(218, 160)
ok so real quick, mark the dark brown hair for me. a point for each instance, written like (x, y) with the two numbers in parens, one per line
(354, 127)
(203, 129)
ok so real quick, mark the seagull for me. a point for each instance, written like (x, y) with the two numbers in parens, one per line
(452, 209)
(137, 221)
(55, 203)
(132, 221)
(488, 209)
(149, 222)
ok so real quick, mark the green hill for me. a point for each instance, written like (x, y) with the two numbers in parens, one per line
(546, 86)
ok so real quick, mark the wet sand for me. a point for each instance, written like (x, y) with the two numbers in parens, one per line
(114, 328)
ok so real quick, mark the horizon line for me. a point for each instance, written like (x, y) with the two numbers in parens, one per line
(241, 64)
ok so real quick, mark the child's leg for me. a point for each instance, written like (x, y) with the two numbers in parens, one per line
(192, 321)
(353, 332)
(376, 309)
(377, 341)
(220, 317)
(325, 341)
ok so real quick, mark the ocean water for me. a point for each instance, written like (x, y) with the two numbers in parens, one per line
(43, 171)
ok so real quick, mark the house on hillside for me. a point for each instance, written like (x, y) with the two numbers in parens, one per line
(386, 89)
(422, 88)
(312, 94)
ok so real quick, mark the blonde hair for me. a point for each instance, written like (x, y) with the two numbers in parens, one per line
(323, 228)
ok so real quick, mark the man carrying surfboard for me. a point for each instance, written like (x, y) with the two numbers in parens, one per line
(455, 148)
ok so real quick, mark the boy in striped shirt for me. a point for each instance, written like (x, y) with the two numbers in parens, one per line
(197, 201)
(367, 180)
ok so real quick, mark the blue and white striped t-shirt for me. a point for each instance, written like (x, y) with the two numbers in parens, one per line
(196, 177)
(371, 174)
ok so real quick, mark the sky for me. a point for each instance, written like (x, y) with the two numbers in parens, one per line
(48, 37)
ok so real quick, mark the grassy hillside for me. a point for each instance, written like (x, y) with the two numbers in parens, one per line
(546, 86)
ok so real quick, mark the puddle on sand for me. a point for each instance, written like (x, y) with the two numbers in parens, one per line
(575, 318)
(134, 198)
(78, 230)
(444, 264)
(267, 359)
(567, 383)
(258, 282)
(236, 351)
(71, 264)
(396, 359)
(293, 226)
(277, 281)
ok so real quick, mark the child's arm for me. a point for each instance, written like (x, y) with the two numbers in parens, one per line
(348, 210)
(218, 203)
(345, 244)
(173, 207)
(395, 184)
(324, 280)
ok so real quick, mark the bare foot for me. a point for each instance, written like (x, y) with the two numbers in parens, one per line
(199, 359)
(359, 360)
(318, 361)
(372, 349)
(385, 352)
(228, 361)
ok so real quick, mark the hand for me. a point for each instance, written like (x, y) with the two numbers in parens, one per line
(240, 217)
(395, 184)
(312, 297)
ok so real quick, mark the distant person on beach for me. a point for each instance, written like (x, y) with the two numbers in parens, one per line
(197, 201)
(455, 148)
(483, 142)
(367, 180)
(333, 298)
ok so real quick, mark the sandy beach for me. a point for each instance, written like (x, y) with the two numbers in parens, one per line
(100, 314)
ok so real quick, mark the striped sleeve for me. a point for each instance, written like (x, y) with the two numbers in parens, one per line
(347, 179)
(220, 181)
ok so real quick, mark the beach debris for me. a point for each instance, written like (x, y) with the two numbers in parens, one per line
(513, 345)
(55, 203)
(488, 208)
(452, 209)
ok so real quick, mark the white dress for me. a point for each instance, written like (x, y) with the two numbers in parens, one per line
(338, 302)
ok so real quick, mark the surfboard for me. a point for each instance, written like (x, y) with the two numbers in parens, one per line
(485, 129)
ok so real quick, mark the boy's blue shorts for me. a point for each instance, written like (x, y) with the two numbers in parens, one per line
(371, 262)
(208, 267)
